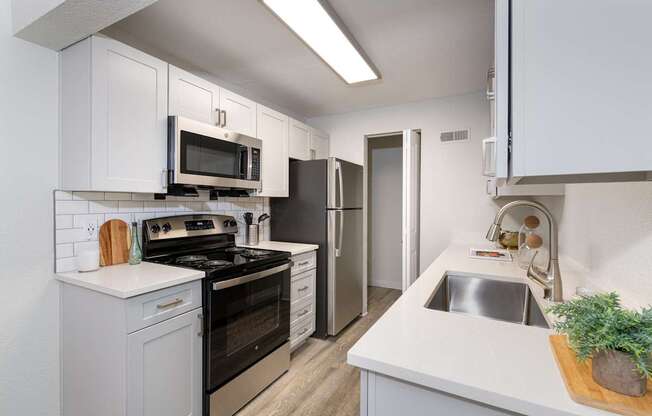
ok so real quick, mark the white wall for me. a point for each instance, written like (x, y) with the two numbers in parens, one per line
(454, 205)
(607, 228)
(385, 210)
(29, 297)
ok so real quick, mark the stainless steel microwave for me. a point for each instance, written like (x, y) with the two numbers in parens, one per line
(204, 155)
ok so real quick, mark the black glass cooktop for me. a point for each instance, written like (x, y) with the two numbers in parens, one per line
(223, 261)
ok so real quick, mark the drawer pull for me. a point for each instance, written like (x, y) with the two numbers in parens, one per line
(303, 331)
(303, 263)
(302, 313)
(303, 288)
(169, 304)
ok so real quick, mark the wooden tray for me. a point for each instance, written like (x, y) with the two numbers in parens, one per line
(582, 388)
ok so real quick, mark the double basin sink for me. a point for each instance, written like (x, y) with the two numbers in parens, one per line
(489, 298)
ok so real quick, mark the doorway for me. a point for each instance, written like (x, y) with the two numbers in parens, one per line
(391, 198)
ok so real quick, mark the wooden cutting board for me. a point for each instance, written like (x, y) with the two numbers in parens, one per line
(114, 242)
(582, 388)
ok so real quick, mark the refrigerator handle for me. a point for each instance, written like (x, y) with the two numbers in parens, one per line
(338, 247)
(338, 168)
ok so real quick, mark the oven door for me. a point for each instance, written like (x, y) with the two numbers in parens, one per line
(204, 155)
(248, 317)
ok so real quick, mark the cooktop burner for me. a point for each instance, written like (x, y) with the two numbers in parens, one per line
(191, 259)
(215, 263)
(255, 254)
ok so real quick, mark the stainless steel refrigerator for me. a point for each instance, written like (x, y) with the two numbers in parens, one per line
(325, 208)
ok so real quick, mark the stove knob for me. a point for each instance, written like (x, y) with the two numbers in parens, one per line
(233, 223)
(166, 227)
(155, 228)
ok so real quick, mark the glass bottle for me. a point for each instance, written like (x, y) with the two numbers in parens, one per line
(135, 253)
(530, 242)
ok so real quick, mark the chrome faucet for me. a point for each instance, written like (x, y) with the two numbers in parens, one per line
(550, 278)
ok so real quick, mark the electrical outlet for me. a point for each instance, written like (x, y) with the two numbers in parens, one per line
(91, 231)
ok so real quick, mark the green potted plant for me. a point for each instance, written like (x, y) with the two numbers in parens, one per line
(618, 340)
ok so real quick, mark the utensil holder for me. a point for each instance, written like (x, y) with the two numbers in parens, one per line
(251, 235)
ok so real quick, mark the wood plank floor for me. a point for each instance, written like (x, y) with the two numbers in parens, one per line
(320, 382)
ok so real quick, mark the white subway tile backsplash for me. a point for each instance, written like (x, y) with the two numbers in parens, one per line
(88, 196)
(117, 196)
(71, 207)
(75, 210)
(154, 206)
(64, 250)
(63, 221)
(70, 235)
(130, 206)
(62, 195)
(102, 207)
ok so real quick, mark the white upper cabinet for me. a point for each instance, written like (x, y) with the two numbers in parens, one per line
(113, 118)
(299, 140)
(193, 97)
(273, 131)
(581, 87)
(319, 144)
(237, 113)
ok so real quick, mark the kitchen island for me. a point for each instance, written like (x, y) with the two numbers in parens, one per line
(420, 361)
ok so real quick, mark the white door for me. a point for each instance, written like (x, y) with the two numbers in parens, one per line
(410, 236)
(237, 113)
(273, 131)
(193, 97)
(318, 145)
(129, 131)
(164, 372)
(299, 140)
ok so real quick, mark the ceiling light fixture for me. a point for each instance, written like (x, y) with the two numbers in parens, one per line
(316, 24)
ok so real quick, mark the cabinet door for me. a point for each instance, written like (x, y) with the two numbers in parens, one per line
(299, 140)
(193, 97)
(273, 131)
(581, 92)
(164, 373)
(238, 113)
(129, 113)
(319, 145)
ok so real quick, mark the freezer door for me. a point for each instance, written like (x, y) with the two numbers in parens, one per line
(344, 184)
(345, 268)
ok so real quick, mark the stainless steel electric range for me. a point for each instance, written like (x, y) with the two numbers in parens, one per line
(246, 304)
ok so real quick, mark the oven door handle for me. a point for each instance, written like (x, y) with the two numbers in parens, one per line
(250, 277)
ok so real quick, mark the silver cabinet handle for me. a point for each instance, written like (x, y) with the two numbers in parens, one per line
(303, 263)
(303, 288)
(219, 117)
(201, 325)
(224, 119)
(169, 304)
(302, 313)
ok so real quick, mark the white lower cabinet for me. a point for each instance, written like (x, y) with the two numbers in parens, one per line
(302, 298)
(164, 369)
(111, 369)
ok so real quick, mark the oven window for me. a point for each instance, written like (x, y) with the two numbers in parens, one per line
(207, 156)
(249, 321)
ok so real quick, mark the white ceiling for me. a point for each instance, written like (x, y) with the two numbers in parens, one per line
(423, 49)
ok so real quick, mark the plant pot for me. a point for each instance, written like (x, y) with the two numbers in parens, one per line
(615, 370)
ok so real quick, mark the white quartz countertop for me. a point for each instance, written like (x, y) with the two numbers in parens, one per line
(506, 365)
(293, 248)
(125, 281)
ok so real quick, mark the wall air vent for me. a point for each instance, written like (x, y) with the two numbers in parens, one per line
(454, 136)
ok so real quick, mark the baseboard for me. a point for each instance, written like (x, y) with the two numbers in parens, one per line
(387, 284)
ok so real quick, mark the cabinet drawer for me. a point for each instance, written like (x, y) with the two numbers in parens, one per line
(303, 286)
(301, 309)
(151, 308)
(303, 262)
(301, 330)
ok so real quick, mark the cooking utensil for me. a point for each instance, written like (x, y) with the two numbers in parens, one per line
(263, 218)
(249, 218)
(114, 242)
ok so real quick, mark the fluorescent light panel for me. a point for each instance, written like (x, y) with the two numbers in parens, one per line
(315, 26)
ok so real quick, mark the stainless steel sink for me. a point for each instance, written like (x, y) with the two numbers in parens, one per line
(495, 299)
